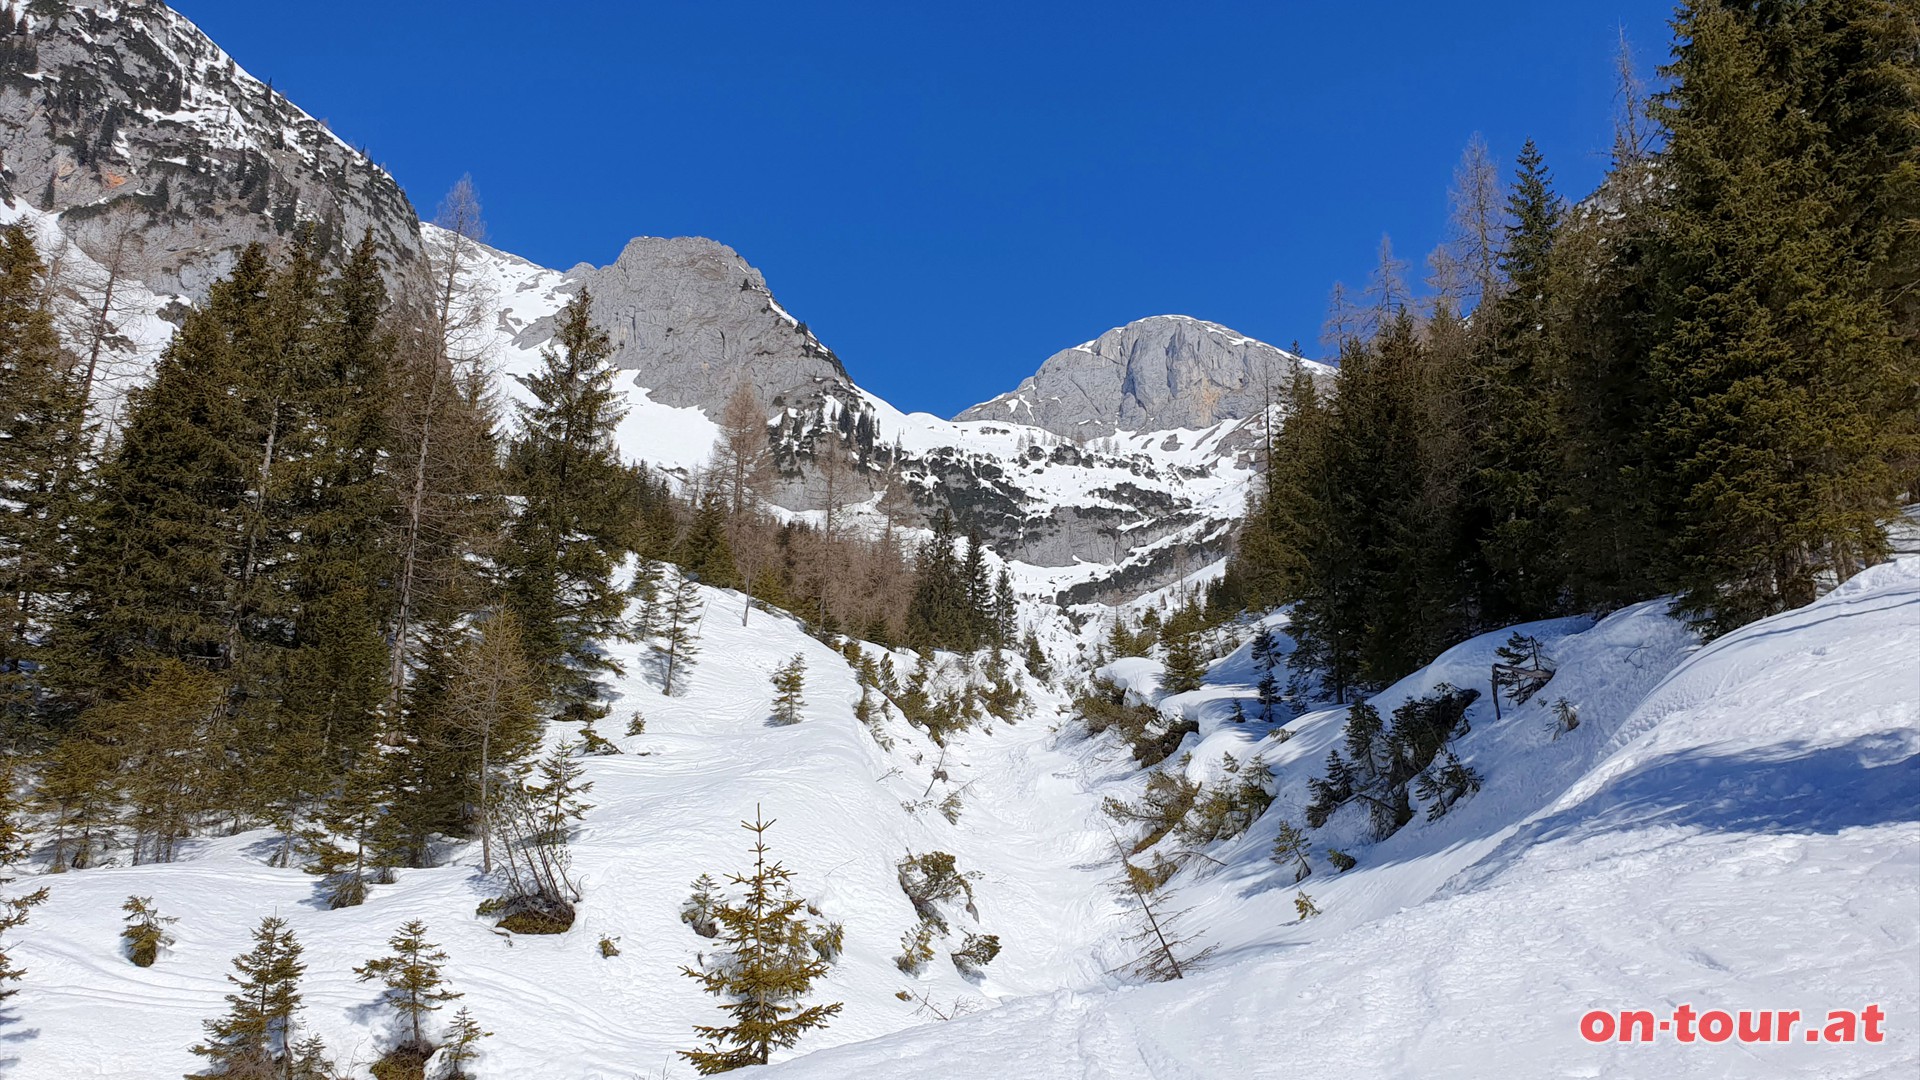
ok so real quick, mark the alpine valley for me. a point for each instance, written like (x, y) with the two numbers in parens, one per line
(399, 634)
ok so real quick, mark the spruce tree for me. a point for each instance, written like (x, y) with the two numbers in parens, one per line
(576, 520)
(1290, 850)
(678, 641)
(146, 930)
(14, 847)
(414, 984)
(939, 616)
(255, 1037)
(770, 969)
(353, 844)
(1185, 668)
(788, 683)
(1785, 372)
(1513, 391)
(42, 443)
(557, 798)
(461, 1044)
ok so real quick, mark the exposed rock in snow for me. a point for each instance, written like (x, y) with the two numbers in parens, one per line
(1154, 374)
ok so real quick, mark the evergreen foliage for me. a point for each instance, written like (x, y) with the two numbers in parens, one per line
(576, 523)
(146, 930)
(1698, 381)
(557, 797)
(678, 643)
(788, 683)
(414, 985)
(13, 909)
(255, 1037)
(767, 972)
(460, 1046)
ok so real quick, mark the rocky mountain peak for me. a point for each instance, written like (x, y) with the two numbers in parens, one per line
(1157, 373)
(694, 319)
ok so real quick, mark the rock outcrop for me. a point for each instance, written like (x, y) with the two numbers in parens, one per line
(121, 115)
(1154, 374)
(692, 319)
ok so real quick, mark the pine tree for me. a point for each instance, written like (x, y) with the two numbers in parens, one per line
(1512, 391)
(769, 970)
(79, 797)
(337, 661)
(256, 1035)
(788, 682)
(702, 907)
(1168, 954)
(414, 985)
(576, 517)
(352, 846)
(1006, 620)
(705, 552)
(159, 736)
(146, 930)
(1185, 668)
(941, 615)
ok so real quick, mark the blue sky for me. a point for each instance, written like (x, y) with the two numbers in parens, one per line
(948, 194)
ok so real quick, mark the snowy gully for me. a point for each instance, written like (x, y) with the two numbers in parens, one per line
(1720, 1025)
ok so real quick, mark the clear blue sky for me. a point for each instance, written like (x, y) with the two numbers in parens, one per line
(950, 193)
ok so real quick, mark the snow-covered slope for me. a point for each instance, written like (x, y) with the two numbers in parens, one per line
(666, 810)
(1734, 827)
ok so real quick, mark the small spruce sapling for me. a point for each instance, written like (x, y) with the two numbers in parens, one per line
(14, 847)
(768, 973)
(1565, 718)
(1341, 861)
(557, 798)
(788, 684)
(916, 948)
(414, 984)
(461, 1044)
(146, 930)
(1304, 904)
(1290, 849)
(700, 910)
(256, 1034)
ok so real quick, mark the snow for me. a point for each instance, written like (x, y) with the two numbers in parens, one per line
(1731, 826)
(665, 811)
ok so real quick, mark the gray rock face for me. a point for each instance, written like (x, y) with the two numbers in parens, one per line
(121, 114)
(692, 319)
(1168, 371)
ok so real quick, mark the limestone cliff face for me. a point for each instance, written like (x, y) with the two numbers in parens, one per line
(1153, 374)
(692, 320)
(121, 114)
